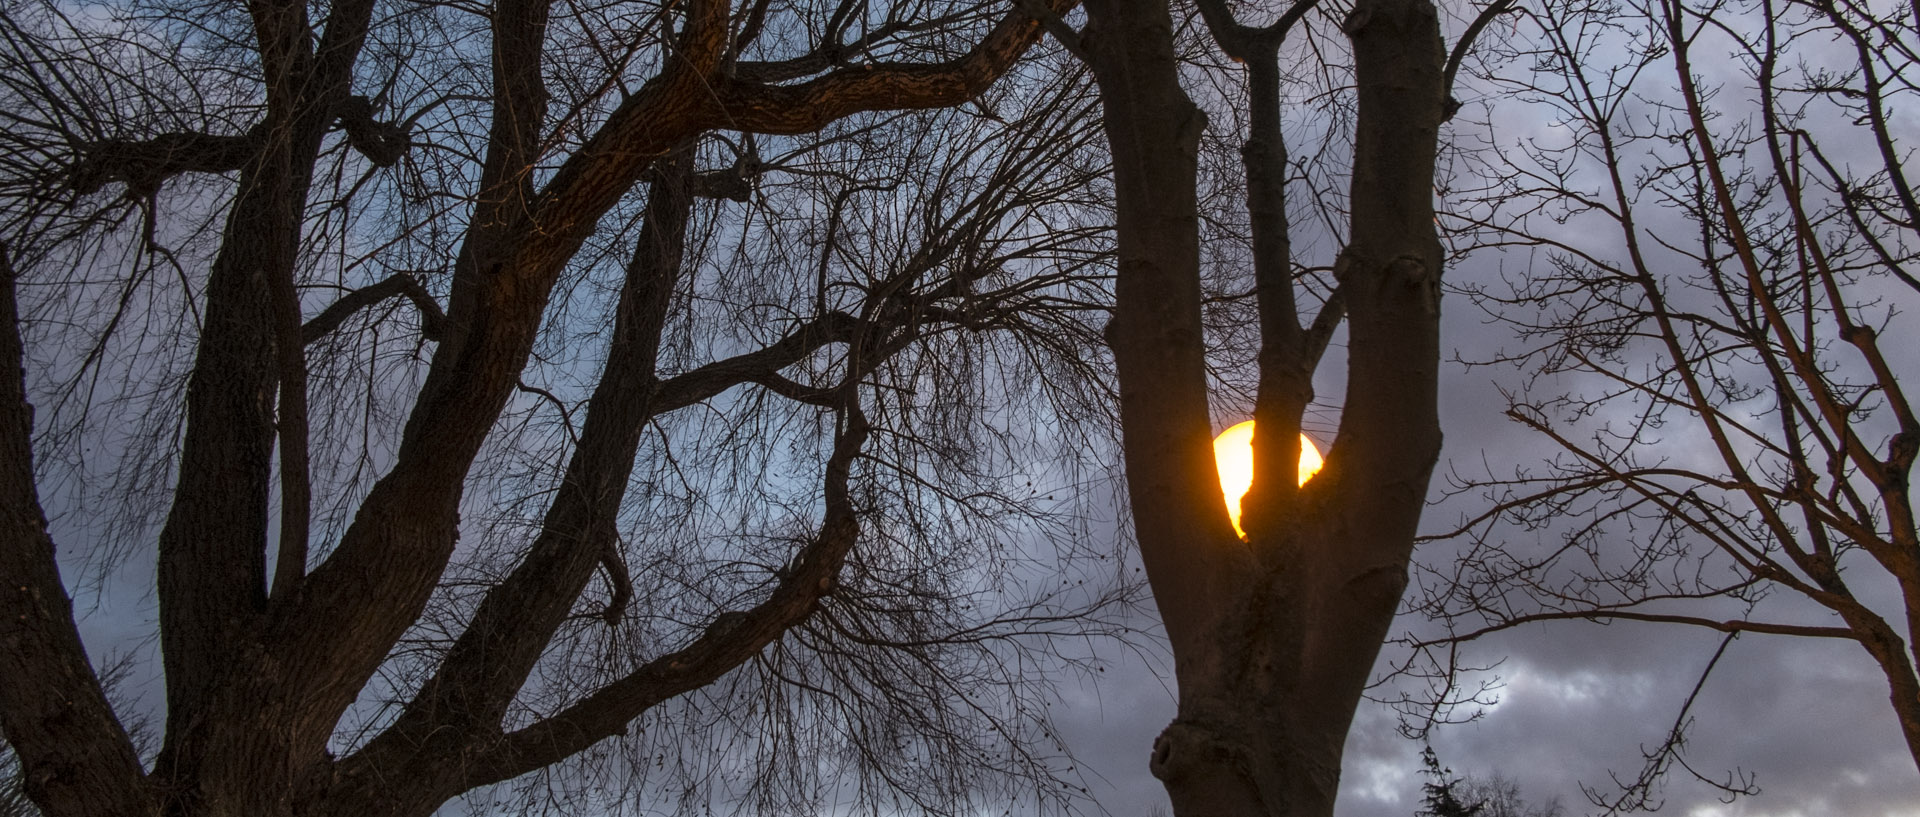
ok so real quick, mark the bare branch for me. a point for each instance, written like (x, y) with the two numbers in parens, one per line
(143, 165)
(732, 638)
(1731, 625)
(1465, 44)
(432, 319)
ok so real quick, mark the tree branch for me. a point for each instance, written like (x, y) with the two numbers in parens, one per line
(1055, 25)
(1239, 41)
(382, 143)
(1479, 24)
(732, 638)
(432, 319)
(75, 758)
(1640, 793)
(1320, 332)
(144, 164)
(357, 602)
(809, 106)
(691, 387)
(1721, 625)
(488, 664)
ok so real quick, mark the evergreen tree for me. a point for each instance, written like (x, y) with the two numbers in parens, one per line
(1437, 794)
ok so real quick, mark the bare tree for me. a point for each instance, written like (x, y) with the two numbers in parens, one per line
(384, 333)
(1274, 636)
(1720, 237)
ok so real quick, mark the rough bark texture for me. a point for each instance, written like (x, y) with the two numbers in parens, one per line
(221, 746)
(1273, 637)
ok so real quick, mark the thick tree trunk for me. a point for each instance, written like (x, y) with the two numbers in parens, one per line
(1273, 638)
(227, 749)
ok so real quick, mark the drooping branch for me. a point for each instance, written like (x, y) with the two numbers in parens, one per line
(693, 386)
(463, 703)
(329, 637)
(732, 638)
(144, 164)
(295, 667)
(1642, 793)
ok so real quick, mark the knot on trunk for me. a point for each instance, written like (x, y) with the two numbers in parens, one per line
(1187, 747)
(383, 143)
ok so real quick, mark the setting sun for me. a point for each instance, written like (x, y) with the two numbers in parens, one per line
(1233, 454)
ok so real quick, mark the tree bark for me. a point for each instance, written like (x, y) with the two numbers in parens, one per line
(223, 743)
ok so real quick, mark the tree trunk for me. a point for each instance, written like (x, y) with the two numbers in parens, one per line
(1273, 638)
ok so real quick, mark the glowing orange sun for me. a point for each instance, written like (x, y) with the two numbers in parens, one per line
(1233, 454)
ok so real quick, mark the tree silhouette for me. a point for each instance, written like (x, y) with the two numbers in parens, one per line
(1440, 795)
(518, 392)
(1274, 636)
(1709, 322)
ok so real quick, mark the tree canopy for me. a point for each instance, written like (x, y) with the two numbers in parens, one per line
(381, 330)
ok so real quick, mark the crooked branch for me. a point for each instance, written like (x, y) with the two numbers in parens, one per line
(432, 318)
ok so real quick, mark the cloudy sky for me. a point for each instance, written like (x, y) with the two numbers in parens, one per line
(1808, 719)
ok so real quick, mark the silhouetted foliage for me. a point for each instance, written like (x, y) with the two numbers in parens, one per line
(1497, 796)
(1442, 793)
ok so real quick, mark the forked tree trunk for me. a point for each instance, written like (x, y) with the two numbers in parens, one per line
(1273, 638)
